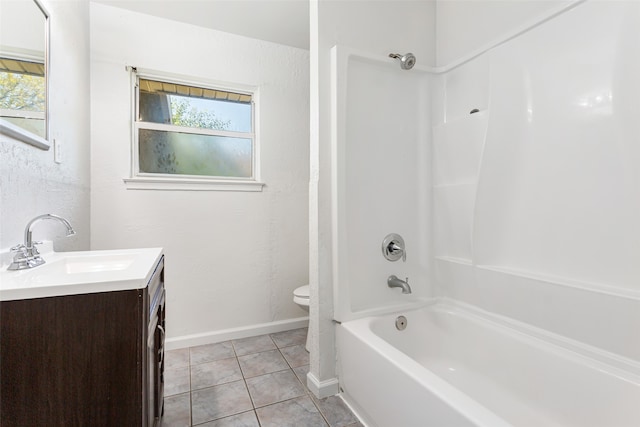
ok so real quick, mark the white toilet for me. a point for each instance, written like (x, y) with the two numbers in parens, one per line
(301, 297)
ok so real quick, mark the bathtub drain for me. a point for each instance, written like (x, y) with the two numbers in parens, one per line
(401, 323)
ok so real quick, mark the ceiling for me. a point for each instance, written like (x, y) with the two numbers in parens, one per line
(279, 21)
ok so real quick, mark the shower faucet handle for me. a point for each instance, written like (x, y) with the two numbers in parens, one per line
(393, 248)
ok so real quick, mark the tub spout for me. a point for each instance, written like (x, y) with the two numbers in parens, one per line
(394, 282)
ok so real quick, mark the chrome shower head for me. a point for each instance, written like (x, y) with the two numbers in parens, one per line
(407, 61)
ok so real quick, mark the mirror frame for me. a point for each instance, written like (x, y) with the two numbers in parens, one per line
(17, 132)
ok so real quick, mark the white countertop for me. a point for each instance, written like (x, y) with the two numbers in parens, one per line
(84, 272)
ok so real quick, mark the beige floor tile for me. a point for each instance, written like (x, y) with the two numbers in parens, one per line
(177, 411)
(176, 358)
(295, 355)
(262, 363)
(253, 345)
(176, 381)
(275, 387)
(215, 373)
(289, 338)
(220, 401)
(211, 352)
(335, 411)
(298, 412)
(246, 419)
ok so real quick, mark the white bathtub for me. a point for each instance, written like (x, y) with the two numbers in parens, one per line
(453, 366)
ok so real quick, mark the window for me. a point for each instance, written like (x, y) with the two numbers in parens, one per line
(22, 95)
(191, 133)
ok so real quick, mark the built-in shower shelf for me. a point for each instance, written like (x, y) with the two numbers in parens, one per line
(461, 261)
(618, 291)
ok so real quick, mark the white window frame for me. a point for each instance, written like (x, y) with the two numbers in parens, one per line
(156, 181)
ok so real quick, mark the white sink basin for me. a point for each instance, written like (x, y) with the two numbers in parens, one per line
(91, 263)
(69, 273)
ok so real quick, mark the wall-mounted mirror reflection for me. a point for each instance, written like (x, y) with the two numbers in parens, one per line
(23, 80)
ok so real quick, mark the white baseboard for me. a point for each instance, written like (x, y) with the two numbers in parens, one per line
(322, 389)
(235, 333)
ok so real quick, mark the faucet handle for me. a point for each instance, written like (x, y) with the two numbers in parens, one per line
(21, 254)
(34, 250)
(393, 248)
(19, 248)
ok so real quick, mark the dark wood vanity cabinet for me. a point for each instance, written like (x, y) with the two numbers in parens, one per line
(84, 360)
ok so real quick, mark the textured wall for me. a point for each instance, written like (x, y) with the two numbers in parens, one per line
(30, 182)
(233, 258)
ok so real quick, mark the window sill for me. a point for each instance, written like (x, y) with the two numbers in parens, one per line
(168, 184)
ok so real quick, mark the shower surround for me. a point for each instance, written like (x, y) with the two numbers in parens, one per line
(524, 211)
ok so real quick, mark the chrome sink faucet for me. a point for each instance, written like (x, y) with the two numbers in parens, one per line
(27, 255)
(394, 282)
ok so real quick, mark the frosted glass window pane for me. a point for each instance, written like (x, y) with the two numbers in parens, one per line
(192, 154)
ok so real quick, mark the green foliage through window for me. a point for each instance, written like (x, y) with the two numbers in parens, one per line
(21, 92)
(183, 113)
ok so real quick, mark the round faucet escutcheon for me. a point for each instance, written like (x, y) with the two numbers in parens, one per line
(393, 248)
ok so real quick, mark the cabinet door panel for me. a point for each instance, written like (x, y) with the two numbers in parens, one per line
(73, 360)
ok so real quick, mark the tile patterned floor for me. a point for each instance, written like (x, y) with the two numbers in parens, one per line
(251, 382)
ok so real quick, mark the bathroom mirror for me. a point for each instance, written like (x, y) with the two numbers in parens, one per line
(23, 71)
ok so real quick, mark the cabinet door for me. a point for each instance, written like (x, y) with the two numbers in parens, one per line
(73, 360)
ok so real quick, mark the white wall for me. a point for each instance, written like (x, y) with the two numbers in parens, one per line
(21, 26)
(379, 27)
(465, 26)
(31, 183)
(232, 258)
